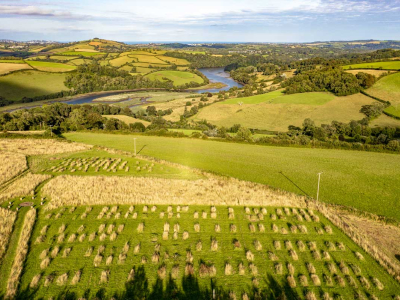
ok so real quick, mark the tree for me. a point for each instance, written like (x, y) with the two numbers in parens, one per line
(243, 134)
(151, 110)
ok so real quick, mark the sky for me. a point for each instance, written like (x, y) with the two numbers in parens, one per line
(200, 20)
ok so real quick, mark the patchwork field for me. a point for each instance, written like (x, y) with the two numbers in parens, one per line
(148, 248)
(350, 178)
(50, 66)
(274, 112)
(385, 65)
(178, 77)
(6, 68)
(82, 53)
(15, 86)
(387, 88)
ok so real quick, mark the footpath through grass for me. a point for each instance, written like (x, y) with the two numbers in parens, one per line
(364, 180)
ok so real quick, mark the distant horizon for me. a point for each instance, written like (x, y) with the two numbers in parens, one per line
(297, 21)
(209, 42)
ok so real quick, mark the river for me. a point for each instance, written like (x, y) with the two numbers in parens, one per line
(218, 75)
(213, 74)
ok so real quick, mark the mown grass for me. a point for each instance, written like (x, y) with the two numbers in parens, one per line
(387, 88)
(385, 65)
(17, 85)
(279, 112)
(364, 180)
(48, 164)
(50, 66)
(178, 77)
(174, 252)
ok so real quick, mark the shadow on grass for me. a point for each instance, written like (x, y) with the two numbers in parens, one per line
(294, 183)
(138, 289)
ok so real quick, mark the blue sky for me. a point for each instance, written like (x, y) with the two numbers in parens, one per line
(200, 20)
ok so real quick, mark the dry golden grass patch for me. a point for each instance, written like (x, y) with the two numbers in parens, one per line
(21, 252)
(6, 68)
(88, 190)
(376, 73)
(40, 146)
(127, 119)
(11, 165)
(7, 218)
(23, 186)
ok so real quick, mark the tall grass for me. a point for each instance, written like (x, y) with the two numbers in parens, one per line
(23, 186)
(35, 147)
(85, 190)
(21, 252)
(11, 165)
(7, 219)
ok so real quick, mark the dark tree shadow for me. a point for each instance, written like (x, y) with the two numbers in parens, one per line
(138, 289)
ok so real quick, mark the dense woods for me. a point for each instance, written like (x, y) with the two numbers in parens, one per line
(333, 80)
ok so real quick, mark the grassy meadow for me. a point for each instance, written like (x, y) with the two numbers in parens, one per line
(86, 249)
(6, 68)
(274, 112)
(17, 85)
(178, 77)
(385, 65)
(82, 53)
(127, 119)
(50, 66)
(364, 180)
(387, 88)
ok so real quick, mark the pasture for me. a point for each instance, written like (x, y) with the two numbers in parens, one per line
(15, 86)
(50, 66)
(364, 180)
(178, 77)
(81, 53)
(89, 248)
(387, 88)
(6, 68)
(384, 65)
(276, 113)
(127, 119)
(394, 110)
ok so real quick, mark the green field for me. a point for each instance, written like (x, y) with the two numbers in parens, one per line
(50, 66)
(385, 65)
(278, 97)
(82, 53)
(30, 84)
(275, 113)
(11, 61)
(187, 132)
(364, 180)
(74, 164)
(387, 88)
(270, 265)
(394, 110)
(254, 99)
(178, 77)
